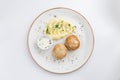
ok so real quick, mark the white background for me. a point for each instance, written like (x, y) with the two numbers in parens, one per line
(16, 17)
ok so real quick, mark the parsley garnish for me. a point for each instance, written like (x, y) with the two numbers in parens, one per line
(47, 31)
(56, 26)
(68, 24)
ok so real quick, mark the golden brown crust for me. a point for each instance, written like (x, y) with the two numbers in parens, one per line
(72, 42)
(59, 51)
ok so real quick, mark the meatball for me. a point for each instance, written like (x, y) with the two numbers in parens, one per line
(59, 51)
(72, 42)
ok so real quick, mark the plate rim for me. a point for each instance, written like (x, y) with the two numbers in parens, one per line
(30, 30)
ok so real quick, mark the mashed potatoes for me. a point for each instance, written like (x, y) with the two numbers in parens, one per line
(57, 28)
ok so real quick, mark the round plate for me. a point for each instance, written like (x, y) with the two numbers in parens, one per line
(74, 59)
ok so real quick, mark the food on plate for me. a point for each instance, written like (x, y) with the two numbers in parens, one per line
(72, 42)
(58, 28)
(44, 42)
(59, 51)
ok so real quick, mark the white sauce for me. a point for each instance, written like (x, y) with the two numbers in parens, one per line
(44, 43)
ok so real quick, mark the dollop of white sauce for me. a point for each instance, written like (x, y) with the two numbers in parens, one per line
(44, 43)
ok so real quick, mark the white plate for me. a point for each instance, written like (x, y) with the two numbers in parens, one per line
(75, 59)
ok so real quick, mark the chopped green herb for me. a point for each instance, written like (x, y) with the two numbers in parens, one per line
(47, 31)
(68, 24)
(56, 26)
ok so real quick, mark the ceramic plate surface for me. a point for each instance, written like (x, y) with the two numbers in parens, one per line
(74, 59)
